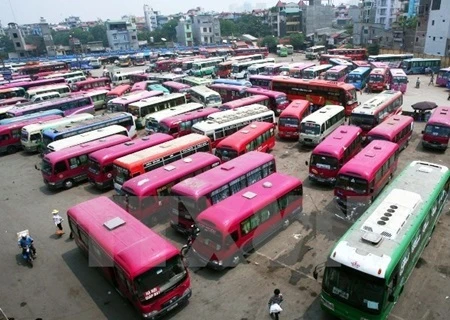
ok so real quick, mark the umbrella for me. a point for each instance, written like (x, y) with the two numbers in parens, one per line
(424, 105)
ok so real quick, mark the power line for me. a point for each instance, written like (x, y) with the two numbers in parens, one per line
(12, 11)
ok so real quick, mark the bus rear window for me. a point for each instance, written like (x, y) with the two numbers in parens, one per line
(324, 162)
(288, 122)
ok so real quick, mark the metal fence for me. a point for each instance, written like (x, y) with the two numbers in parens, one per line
(445, 61)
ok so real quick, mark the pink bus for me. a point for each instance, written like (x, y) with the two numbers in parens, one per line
(30, 84)
(260, 81)
(147, 196)
(141, 86)
(228, 92)
(181, 125)
(242, 222)
(333, 152)
(63, 168)
(291, 117)
(12, 101)
(443, 77)
(361, 63)
(10, 133)
(396, 128)
(121, 104)
(381, 65)
(118, 91)
(100, 172)
(73, 104)
(176, 87)
(362, 178)
(297, 70)
(145, 268)
(399, 80)
(257, 98)
(191, 196)
(277, 100)
(336, 73)
(437, 131)
(92, 84)
(273, 69)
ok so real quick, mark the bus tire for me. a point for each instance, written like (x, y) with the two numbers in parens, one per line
(285, 224)
(235, 260)
(68, 184)
(11, 149)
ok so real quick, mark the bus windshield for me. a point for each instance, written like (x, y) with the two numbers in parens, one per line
(353, 77)
(196, 67)
(288, 122)
(324, 162)
(376, 78)
(310, 128)
(333, 76)
(280, 99)
(46, 167)
(122, 174)
(362, 119)
(400, 80)
(213, 99)
(362, 291)
(157, 280)
(439, 131)
(357, 185)
(210, 236)
(94, 166)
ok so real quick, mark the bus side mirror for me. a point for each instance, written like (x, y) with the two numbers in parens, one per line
(306, 163)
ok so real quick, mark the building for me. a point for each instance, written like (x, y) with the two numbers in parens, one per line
(317, 17)
(437, 40)
(72, 21)
(422, 14)
(184, 32)
(286, 18)
(15, 34)
(122, 35)
(150, 18)
(206, 29)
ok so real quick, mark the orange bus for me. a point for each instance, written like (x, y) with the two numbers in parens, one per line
(137, 163)
(291, 117)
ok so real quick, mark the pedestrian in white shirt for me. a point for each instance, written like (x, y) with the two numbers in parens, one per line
(57, 219)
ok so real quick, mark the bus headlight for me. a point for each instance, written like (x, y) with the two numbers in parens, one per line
(187, 292)
(328, 304)
(150, 314)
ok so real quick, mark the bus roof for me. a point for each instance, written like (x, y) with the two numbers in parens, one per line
(156, 99)
(135, 97)
(371, 106)
(204, 90)
(294, 108)
(385, 129)
(379, 71)
(319, 67)
(218, 86)
(397, 72)
(57, 122)
(27, 122)
(43, 104)
(92, 80)
(336, 68)
(180, 109)
(177, 85)
(366, 163)
(323, 114)
(420, 59)
(231, 211)
(92, 93)
(119, 89)
(254, 99)
(141, 185)
(241, 138)
(360, 70)
(265, 92)
(31, 116)
(440, 116)
(46, 87)
(409, 198)
(338, 141)
(127, 242)
(204, 112)
(210, 180)
(314, 82)
(128, 147)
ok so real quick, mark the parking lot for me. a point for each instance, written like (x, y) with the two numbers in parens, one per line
(62, 286)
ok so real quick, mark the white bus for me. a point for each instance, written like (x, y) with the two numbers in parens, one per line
(146, 106)
(124, 77)
(65, 75)
(152, 120)
(61, 88)
(316, 71)
(314, 52)
(205, 96)
(86, 137)
(258, 68)
(45, 96)
(219, 125)
(98, 98)
(31, 135)
(319, 124)
(239, 69)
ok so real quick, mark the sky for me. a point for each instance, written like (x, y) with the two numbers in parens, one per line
(54, 11)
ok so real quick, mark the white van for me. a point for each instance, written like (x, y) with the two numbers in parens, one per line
(46, 96)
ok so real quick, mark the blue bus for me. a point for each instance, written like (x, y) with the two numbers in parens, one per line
(158, 87)
(32, 116)
(421, 66)
(232, 82)
(358, 77)
(123, 119)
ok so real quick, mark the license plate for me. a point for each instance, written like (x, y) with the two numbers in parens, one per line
(172, 306)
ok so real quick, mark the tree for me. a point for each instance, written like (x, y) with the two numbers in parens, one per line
(99, 34)
(61, 38)
(37, 41)
(249, 24)
(6, 45)
(297, 40)
(373, 49)
(168, 30)
(227, 28)
(270, 42)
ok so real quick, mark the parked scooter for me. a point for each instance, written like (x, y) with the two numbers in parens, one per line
(25, 242)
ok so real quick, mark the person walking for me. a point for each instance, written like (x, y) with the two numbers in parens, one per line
(431, 79)
(275, 304)
(57, 219)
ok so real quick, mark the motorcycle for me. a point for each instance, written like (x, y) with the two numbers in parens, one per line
(190, 240)
(28, 251)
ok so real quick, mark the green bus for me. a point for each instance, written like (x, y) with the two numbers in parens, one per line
(196, 81)
(283, 51)
(206, 67)
(367, 269)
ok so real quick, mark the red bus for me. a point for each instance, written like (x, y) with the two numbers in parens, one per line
(333, 152)
(296, 71)
(193, 195)
(145, 268)
(225, 67)
(12, 101)
(376, 64)
(437, 131)
(242, 222)
(148, 195)
(251, 51)
(336, 73)
(277, 100)
(228, 92)
(257, 136)
(118, 92)
(379, 79)
(396, 128)
(63, 168)
(325, 58)
(246, 101)
(138, 163)
(260, 81)
(92, 84)
(26, 85)
(362, 178)
(178, 126)
(291, 117)
(44, 68)
(318, 92)
(361, 63)
(376, 110)
(354, 54)
(177, 87)
(10, 133)
(101, 162)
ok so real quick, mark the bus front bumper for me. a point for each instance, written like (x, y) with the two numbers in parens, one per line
(213, 264)
(323, 180)
(434, 145)
(171, 305)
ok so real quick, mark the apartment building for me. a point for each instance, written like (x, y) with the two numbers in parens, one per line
(122, 35)
(437, 41)
(206, 29)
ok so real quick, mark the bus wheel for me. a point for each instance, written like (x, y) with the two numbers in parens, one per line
(286, 224)
(11, 149)
(390, 178)
(68, 184)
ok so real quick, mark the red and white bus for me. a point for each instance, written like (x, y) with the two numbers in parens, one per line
(354, 54)
(315, 72)
(246, 101)
(10, 134)
(177, 87)
(142, 85)
(242, 222)
(145, 268)
(376, 64)
(277, 100)
(147, 196)
(362, 178)
(191, 196)
(273, 69)
(336, 73)
(257, 136)
(297, 70)
(260, 81)
(376, 110)
(100, 171)
(325, 58)
(121, 104)
(437, 131)
(379, 79)
(318, 92)
(396, 128)
(12, 101)
(251, 51)
(26, 85)
(399, 80)
(361, 64)
(333, 152)
(44, 68)
(157, 156)
(291, 117)
(118, 92)
(92, 84)
(225, 67)
(228, 92)
(180, 125)
(64, 168)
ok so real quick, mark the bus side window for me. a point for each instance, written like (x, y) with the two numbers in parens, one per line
(60, 167)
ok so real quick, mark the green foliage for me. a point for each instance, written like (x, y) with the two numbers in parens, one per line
(37, 41)
(228, 28)
(373, 49)
(297, 40)
(270, 42)
(405, 22)
(99, 34)
(247, 24)
(6, 45)
(168, 30)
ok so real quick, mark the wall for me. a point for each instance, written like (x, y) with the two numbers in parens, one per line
(438, 32)
(317, 17)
